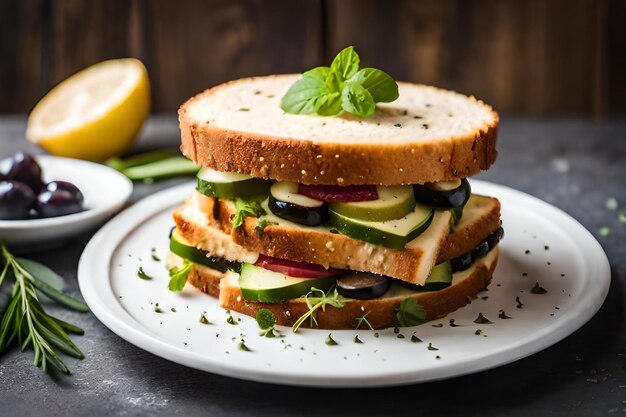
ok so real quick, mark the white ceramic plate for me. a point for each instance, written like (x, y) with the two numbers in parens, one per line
(541, 244)
(105, 191)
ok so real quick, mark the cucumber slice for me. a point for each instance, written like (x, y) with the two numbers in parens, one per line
(440, 277)
(180, 247)
(392, 203)
(391, 233)
(288, 193)
(229, 185)
(262, 285)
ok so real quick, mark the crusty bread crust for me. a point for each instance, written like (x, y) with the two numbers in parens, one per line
(205, 279)
(381, 313)
(481, 217)
(311, 162)
(337, 250)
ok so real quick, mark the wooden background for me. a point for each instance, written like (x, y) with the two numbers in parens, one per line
(535, 57)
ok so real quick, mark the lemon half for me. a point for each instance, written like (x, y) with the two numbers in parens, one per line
(94, 114)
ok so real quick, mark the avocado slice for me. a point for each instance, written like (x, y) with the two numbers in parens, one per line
(263, 285)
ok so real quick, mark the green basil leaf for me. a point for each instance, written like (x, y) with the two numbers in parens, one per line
(303, 95)
(329, 104)
(380, 85)
(357, 100)
(333, 83)
(342, 86)
(345, 64)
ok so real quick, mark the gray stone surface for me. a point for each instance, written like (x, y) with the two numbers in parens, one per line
(574, 164)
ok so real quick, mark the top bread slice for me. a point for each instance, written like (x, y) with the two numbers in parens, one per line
(426, 135)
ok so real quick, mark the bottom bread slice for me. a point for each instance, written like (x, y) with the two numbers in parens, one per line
(381, 312)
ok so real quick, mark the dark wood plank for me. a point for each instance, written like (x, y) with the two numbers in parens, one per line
(86, 32)
(536, 57)
(21, 25)
(204, 43)
(615, 82)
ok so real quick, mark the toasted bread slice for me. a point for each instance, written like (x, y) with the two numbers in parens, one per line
(481, 216)
(381, 312)
(239, 127)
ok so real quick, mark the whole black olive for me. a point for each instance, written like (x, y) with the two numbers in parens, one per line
(310, 216)
(25, 169)
(16, 200)
(59, 198)
(362, 285)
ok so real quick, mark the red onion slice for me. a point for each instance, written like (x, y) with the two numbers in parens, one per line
(295, 269)
(338, 194)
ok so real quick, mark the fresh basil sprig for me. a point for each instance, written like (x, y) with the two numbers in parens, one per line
(341, 87)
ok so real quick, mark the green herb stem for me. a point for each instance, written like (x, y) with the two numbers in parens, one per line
(26, 323)
(332, 298)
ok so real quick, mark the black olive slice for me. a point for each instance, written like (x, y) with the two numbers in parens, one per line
(481, 250)
(462, 262)
(309, 216)
(454, 198)
(495, 237)
(362, 285)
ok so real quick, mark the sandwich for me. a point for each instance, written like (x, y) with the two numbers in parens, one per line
(337, 198)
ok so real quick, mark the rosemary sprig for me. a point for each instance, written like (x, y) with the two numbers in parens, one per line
(332, 298)
(26, 324)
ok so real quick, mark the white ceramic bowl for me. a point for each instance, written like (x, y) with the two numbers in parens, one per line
(105, 191)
